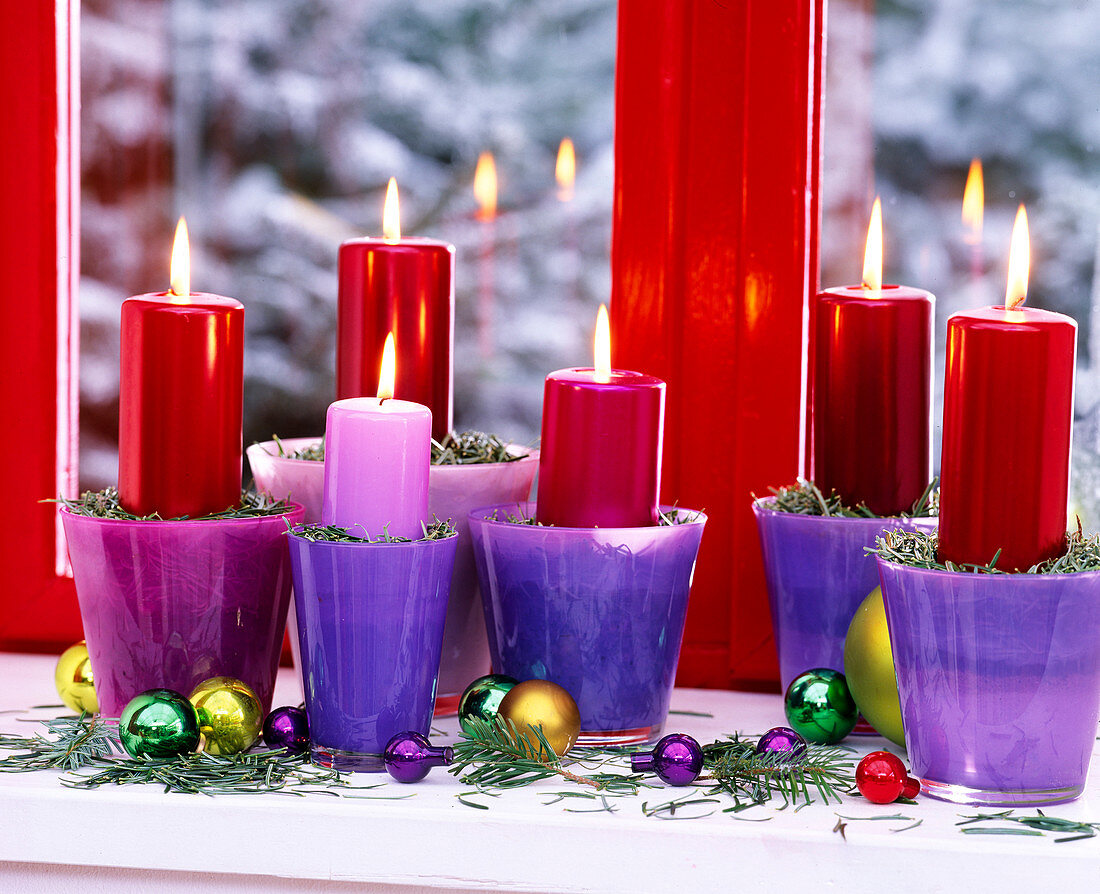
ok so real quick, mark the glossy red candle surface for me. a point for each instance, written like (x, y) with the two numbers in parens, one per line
(406, 287)
(600, 463)
(1007, 419)
(179, 450)
(872, 391)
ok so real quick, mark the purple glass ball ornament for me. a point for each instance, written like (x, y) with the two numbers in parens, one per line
(409, 756)
(677, 759)
(782, 740)
(287, 728)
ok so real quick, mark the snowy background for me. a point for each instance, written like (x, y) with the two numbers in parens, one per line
(274, 125)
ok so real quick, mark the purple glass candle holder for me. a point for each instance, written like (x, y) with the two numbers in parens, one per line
(818, 574)
(999, 679)
(599, 611)
(453, 490)
(168, 604)
(370, 627)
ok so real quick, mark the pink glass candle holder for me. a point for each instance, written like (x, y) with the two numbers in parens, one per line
(999, 679)
(599, 611)
(818, 573)
(370, 629)
(172, 603)
(453, 490)
(284, 478)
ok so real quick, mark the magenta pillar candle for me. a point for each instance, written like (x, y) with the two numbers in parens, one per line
(601, 449)
(403, 286)
(377, 454)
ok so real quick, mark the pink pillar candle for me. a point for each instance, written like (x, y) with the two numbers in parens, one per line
(377, 455)
(600, 464)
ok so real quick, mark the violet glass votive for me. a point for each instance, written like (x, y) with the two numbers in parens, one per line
(999, 680)
(168, 604)
(599, 611)
(818, 573)
(370, 627)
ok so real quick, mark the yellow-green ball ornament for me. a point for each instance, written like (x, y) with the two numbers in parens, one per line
(820, 707)
(74, 681)
(230, 715)
(159, 723)
(869, 668)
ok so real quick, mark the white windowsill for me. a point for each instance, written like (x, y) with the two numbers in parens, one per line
(136, 837)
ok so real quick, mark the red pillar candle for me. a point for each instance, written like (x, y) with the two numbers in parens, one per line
(404, 286)
(180, 399)
(602, 429)
(872, 388)
(1007, 419)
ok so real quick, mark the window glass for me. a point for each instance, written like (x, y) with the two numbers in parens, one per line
(274, 126)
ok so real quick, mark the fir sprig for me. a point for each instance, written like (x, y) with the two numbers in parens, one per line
(738, 771)
(209, 774)
(917, 549)
(471, 448)
(437, 530)
(455, 449)
(70, 743)
(105, 504)
(1071, 830)
(805, 498)
(311, 452)
(494, 755)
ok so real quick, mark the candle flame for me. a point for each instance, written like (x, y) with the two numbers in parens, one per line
(1019, 261)
(485, 186)
(872, 254)
(603, 346)
(566, 170)
(180, 269)
(389, 370)
(973, 209)
(391, 213)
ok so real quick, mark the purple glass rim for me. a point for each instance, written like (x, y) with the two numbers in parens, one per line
(292, 508)
(1016, 577)
(482, 513)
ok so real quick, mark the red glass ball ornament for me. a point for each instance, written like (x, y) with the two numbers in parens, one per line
(881, 777)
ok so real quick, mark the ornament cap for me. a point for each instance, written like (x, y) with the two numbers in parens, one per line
(642, 762)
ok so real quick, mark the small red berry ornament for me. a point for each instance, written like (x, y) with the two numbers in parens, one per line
(881, 778)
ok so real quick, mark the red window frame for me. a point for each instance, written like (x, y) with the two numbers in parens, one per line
(718, 111)
(39, 265)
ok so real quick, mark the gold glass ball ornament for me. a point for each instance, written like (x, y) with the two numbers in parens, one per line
(869, 667)
(540, 702)
(74, 681)
(230, 715)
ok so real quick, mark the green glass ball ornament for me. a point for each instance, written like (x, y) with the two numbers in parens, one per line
(482, 699)
(820, 707)
(159, 723)
(869, 669)
(230, 715)
(74, 681)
